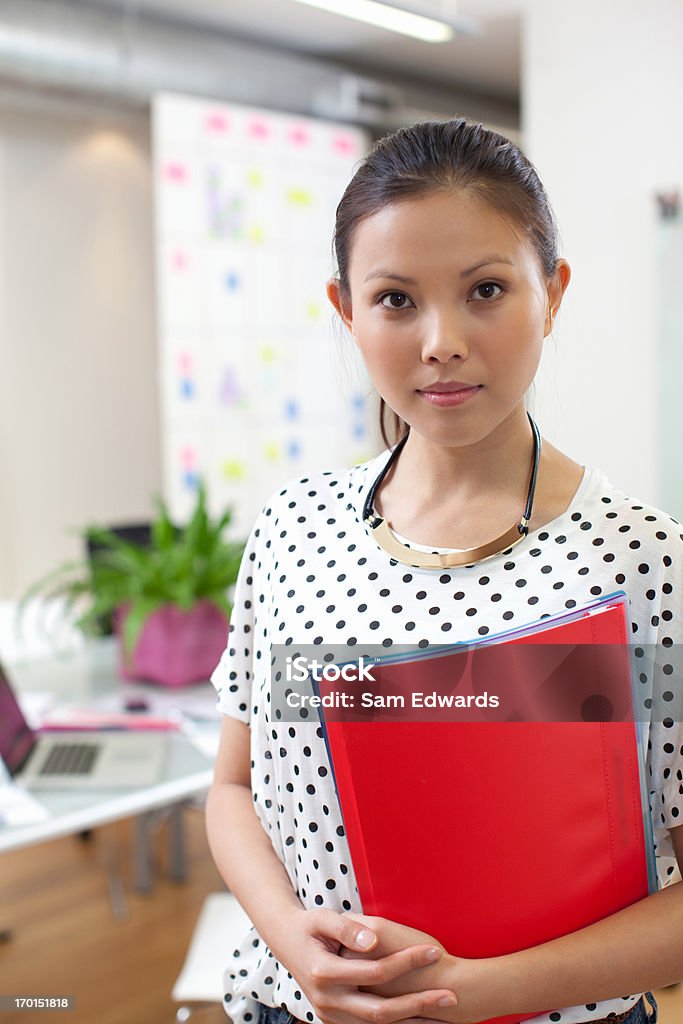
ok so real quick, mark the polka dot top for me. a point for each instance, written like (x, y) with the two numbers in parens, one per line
(313, 574)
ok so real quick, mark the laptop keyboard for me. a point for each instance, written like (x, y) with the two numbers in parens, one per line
(71, 759)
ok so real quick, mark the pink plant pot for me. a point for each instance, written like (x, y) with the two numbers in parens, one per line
(175, 647)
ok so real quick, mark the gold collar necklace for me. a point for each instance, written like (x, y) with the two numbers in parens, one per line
(389, 542)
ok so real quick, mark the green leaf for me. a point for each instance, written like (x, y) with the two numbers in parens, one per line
(181, 566)
(163, 529)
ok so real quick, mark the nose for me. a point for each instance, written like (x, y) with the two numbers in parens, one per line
(443, 338)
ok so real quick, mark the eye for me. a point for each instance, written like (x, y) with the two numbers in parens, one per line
(486, 291)
(392, 296)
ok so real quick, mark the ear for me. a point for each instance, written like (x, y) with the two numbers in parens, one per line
(333, 290)
(557, 286)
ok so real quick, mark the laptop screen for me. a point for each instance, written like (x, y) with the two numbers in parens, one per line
(16, 737)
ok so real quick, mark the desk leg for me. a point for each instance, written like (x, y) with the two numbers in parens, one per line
(177, 861)
(142, 852)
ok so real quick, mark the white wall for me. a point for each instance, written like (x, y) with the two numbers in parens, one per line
(600, 119)
(79, 423)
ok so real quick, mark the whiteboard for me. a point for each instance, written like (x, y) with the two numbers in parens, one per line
(258, 382)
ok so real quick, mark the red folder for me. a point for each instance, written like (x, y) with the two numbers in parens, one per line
(494, 836)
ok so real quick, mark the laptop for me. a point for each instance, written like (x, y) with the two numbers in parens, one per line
(75, 760)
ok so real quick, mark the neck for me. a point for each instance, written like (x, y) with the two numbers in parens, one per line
(499, 464)
(459, 496)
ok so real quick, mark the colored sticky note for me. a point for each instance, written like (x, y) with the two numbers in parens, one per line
(258, 129)
(217, 123)
(234, 469)
(255, 178)
(188, 457)
(312, 311)
(299, 197)
(190, 480)
(179, 260)
(291, 409)
(176, 172)
(230, 391)
(299, 135)
(267, 353)
(293, 449)
(187, 388)
(256, 233)
(343, 144)
(232, 281)
(271, 450)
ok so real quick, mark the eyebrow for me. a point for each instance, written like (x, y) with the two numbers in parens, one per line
(494, 258)
(393, 276)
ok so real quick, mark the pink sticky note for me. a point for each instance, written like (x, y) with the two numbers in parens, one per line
(179, 260)
(299, 136)
(185, 362)
(176, 172)
(188, 457)
(344, 144)
(258, 129)
(217, 123)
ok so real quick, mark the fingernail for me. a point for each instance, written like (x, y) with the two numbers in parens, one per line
(365, 939)
(447, 1001)
(432, 954)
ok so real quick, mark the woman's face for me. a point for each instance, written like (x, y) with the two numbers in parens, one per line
(447, 295)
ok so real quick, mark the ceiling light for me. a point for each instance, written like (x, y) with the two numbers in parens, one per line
(385, 16)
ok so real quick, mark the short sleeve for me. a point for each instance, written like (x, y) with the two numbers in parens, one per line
(233, 676)
(665, 753)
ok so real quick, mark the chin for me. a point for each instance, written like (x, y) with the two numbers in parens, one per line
(448, 436)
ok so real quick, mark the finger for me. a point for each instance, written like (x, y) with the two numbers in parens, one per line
(350, 971)
(386, 1011)
(366, 920)
(351, 934)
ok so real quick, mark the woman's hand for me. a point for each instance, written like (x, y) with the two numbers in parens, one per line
(470, 980)
(332, 983)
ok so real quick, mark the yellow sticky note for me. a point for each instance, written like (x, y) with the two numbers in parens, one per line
(313, 311)
(256, 234)
(255, 178)
(299, 197)
(267, 353)
(234, 469)
(271, 450)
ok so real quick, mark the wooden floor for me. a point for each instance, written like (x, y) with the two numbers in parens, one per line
(66, 939)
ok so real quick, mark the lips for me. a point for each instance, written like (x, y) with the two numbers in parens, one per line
(449, 394)
(448, 387)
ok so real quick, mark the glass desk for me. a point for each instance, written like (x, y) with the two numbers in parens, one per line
(89, 679)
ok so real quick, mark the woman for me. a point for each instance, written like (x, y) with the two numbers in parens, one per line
(449, 282)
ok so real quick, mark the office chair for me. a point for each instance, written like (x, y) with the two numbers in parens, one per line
(221, 926)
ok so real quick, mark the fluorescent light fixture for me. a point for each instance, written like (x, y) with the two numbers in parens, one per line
(385, 16)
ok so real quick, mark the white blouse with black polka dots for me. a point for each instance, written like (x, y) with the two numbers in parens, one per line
(312, 573)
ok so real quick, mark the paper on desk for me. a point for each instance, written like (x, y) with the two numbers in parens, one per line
(35, 706)
(199, 702)
(71, 718)
(17, 807)
(203, 735)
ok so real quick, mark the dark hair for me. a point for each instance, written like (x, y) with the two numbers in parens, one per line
(444, 155)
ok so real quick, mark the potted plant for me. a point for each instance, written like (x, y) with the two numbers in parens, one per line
(169, 600)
